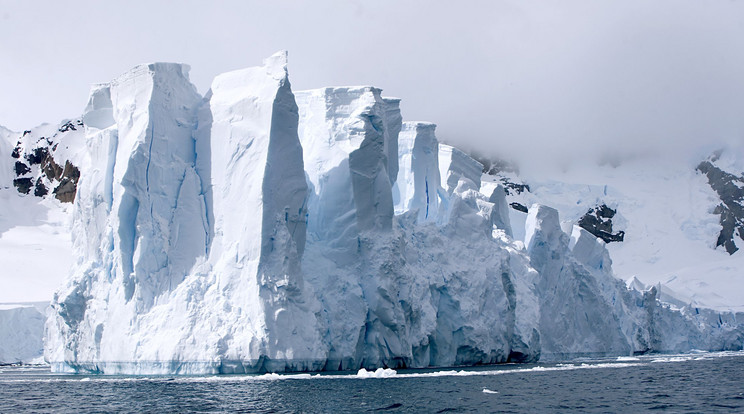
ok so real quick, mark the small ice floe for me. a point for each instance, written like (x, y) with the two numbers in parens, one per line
(487, 391)
(627, 358)
(672, 359)
(379, 373)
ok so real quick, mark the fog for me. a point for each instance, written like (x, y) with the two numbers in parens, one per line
(512, 78)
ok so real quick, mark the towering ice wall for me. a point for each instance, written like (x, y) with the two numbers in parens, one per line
(346, 143)
(250, 161)
(253, 230)
(395, 296)
(418, 183)
(189, 228)
(137, 215)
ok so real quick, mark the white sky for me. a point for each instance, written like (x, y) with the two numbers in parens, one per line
(507, 76)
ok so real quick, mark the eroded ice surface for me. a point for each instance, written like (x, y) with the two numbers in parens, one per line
(256, 229)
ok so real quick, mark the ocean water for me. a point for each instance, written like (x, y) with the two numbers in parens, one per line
(701, 382)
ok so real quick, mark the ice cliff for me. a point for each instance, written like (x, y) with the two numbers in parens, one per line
(21, 333)
(256, 229)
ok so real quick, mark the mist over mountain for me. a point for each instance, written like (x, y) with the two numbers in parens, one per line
(537, 80)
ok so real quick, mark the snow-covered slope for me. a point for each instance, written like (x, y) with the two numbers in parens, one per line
(38, 179)
(667, 212)
(46, 160)
(256, 229)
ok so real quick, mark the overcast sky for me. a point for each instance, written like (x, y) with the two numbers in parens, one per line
(506, 76)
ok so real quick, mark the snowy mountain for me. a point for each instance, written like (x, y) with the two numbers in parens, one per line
(259, 229)
(45, 159)
(38, 180)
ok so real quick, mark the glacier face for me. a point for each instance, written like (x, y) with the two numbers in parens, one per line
(256, 229)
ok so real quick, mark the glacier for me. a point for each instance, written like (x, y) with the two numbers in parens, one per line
(257, 229)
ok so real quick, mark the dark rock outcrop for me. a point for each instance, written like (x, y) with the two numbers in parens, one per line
(67, 188)
(519, 207)
(502, 169)
(38, 165)
(730, 189)
(23, 185)
(598, 221)
(21, 169)
(40, 189)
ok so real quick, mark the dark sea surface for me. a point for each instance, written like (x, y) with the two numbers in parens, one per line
(702, 382)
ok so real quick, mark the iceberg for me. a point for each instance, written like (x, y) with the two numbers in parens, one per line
(21, 333)
(257, 229)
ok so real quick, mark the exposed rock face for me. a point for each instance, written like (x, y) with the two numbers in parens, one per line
(518, 206)
(23, 185)
(68, 179)
(730, 189)
(46, 159)
(598, 221)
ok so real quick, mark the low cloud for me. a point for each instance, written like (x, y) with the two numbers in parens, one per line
(518, 79)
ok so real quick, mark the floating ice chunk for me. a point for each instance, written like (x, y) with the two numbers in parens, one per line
(378, 373)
